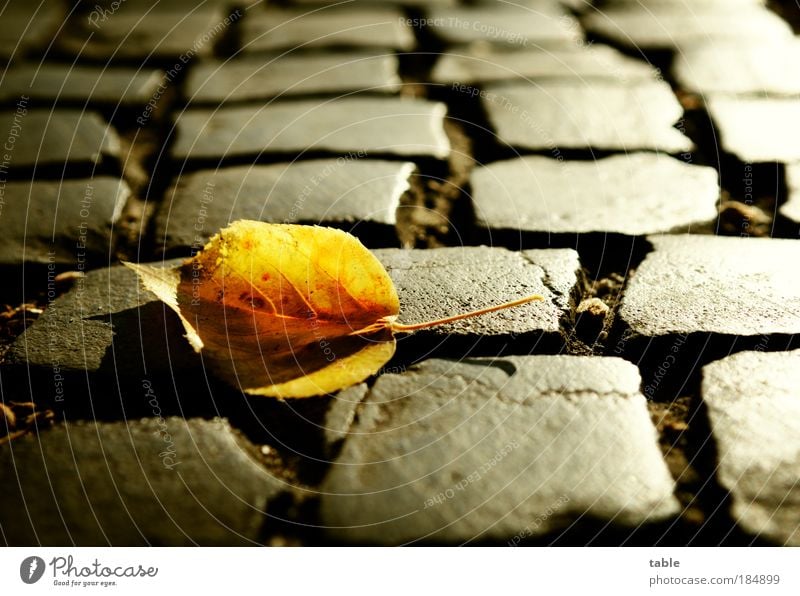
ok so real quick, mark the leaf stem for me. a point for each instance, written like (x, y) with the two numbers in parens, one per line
(401, 328)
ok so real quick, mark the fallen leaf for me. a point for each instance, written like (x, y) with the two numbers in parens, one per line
(287, 310)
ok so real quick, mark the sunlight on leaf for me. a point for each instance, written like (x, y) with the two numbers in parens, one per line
(286, 310)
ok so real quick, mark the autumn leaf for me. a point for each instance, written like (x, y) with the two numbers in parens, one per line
(286, 310)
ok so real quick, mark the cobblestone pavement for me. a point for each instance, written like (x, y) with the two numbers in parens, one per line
(635, 162)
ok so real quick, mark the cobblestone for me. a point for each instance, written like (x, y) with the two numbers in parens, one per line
(134, 33)
(507, 25)
(676, 25)
(157, 481)
(763, 68)
(415, 3)
(283, 29)
(107, 324)
(265, 78)
(681, 4)
(497, 450)
(58, 138)
(437, 283)
(340, 416)
(27, 26)
(757, 129)
(634, 194)
(485, 65)
(355, 194)
(65, 224)
(86, 84)
(396, 127)
(755, 419)
(707, 284)
(561, 115)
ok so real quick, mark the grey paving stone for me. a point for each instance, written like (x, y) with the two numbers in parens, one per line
(682, 4)
(441, 282)
(722, 285)
(89, 84)
(577, 5)
(538, 5)
(44, 137)
(142, 6)
(340, 416)
(107, 325)
(755, 420)
(677, 25)
(791, 208)
(275, 76)
(586, 114)
(135, 33)
(482, 64)
(328, 192)
(741, 68)
(153, 481)
(66, 223)
(563, 273)
(284, 29)
(634, 194)
(374, 126)
(544, 23)
(27, 26)
(758, 129)
(497, 450)
(415, 3)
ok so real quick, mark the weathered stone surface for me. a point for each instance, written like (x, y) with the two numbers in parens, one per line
(42, 137)
(372, 126)
(497, 450)
(634, 194)
(264, 78)
(106, 324)
(755, 420)
(682, 5)
(539, 5)
(329, 191)
(27, 26)
(156, 481)
(437, 283)
(744, 68)
(374, 27)
(580, 115)
(63, 223)
(758, 129)
(791, 208)
(506, 25)
(87, 84)
(340, 416)
(136, 33)
(577, 5)
(708, 284)
(481, 64)
(675, 26)
(420, 3)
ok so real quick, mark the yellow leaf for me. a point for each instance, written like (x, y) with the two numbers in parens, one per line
(286, 310)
